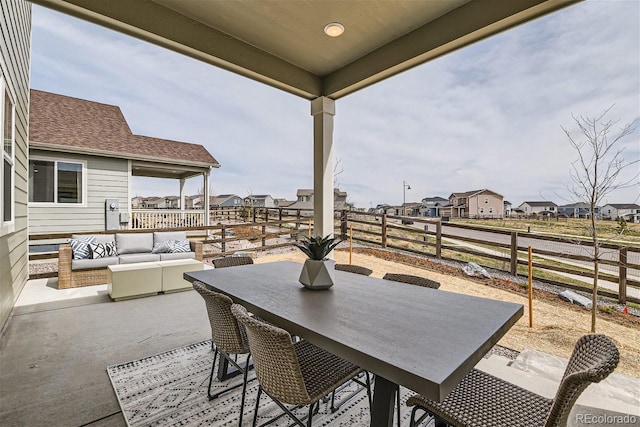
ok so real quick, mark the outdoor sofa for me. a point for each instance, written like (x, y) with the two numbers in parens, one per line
(86, 264)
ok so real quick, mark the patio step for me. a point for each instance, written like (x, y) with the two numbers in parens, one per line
(540, 373)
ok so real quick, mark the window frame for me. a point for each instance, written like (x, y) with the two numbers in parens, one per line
(55, 202)
(7, 227)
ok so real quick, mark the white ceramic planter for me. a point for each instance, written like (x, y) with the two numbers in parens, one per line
(318, 274)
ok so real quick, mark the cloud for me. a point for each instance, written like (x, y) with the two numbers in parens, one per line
(486, 116)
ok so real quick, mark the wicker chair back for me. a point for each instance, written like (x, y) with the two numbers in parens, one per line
(412, 280)
(351, 268)
(232, 261)
(226, 333)
(594, 357)
(274, 359)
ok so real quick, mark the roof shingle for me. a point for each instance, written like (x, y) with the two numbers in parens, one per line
(82, 125)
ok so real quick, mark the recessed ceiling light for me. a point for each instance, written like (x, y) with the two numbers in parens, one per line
(334, 29)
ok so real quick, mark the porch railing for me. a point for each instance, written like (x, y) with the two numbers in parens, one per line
(166, 218)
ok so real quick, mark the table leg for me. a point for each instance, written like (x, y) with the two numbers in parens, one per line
(225, 371)
(384, 399)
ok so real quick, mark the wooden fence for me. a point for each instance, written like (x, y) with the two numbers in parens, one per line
(500, 249)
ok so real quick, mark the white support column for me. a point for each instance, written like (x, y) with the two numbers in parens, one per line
(323, 109)
(205, 183)
(182, 207)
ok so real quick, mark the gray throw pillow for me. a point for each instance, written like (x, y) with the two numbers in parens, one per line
(80, 246)
(163, 247)
(180, 246)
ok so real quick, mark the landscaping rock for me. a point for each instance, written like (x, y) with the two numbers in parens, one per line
(473, 269)
(575, 298)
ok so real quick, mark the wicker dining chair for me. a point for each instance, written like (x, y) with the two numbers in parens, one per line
(412, 280)
(228, 336)
(482, 399)
(351, 268)
(232, 261)
(292, 373)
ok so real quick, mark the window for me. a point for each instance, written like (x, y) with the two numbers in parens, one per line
(490, 210)
(481, 210)
(7, 134)
(486, 200)
(55, 182)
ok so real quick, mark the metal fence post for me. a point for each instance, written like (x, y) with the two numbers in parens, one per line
(622, 290)
(514, 253)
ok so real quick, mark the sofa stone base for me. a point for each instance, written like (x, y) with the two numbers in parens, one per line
(127, 281)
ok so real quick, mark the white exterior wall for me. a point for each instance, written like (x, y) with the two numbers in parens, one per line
(105, 178)
(15, 42)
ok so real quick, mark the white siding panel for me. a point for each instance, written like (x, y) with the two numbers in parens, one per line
(107, 178)
(15, 42)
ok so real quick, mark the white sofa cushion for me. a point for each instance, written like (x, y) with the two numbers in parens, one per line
(83, 264)
(161, 236)
(135, 243)
(177, 255)
(133, 258)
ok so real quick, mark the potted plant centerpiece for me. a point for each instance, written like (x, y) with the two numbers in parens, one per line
(318, 271)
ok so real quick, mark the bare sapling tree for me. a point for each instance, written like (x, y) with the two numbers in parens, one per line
(596, 173)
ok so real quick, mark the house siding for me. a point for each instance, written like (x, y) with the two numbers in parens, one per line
(493, 209)
(107, 178)
(15, 34)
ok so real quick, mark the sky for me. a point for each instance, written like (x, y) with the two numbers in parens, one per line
(487, 116)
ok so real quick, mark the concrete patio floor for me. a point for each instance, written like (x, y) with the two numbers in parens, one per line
(56, 346)
(54, 354)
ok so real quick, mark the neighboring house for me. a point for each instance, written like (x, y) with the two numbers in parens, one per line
(629, 211)
(193, 202)
(259, 201)
(474, 204)
(15, 39)
(517, 212)
(577, 210)
(507, 208)
(82, 153)
(226, 201)
(282, 203)
(137, 202)
(305, 200)
(538, 208)
(152, 202)
(431, 206)
(409, 209)
(383, 209)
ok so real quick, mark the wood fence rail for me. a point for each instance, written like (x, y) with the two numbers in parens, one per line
(405, 234)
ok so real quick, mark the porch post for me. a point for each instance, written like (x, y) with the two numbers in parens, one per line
(323, 110)
(205, 183)
(182, 207)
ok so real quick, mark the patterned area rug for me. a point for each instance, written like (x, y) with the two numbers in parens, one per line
(170, 389)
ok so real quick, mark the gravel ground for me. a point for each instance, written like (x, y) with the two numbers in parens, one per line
(543, 286)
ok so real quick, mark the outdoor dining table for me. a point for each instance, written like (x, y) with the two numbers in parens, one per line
(424, 339)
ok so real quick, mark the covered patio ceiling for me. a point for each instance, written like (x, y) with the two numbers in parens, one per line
(282, 43)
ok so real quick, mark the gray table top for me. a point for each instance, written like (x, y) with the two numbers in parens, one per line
(424, 339)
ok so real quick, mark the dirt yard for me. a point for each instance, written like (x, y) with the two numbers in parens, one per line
(556, 325)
